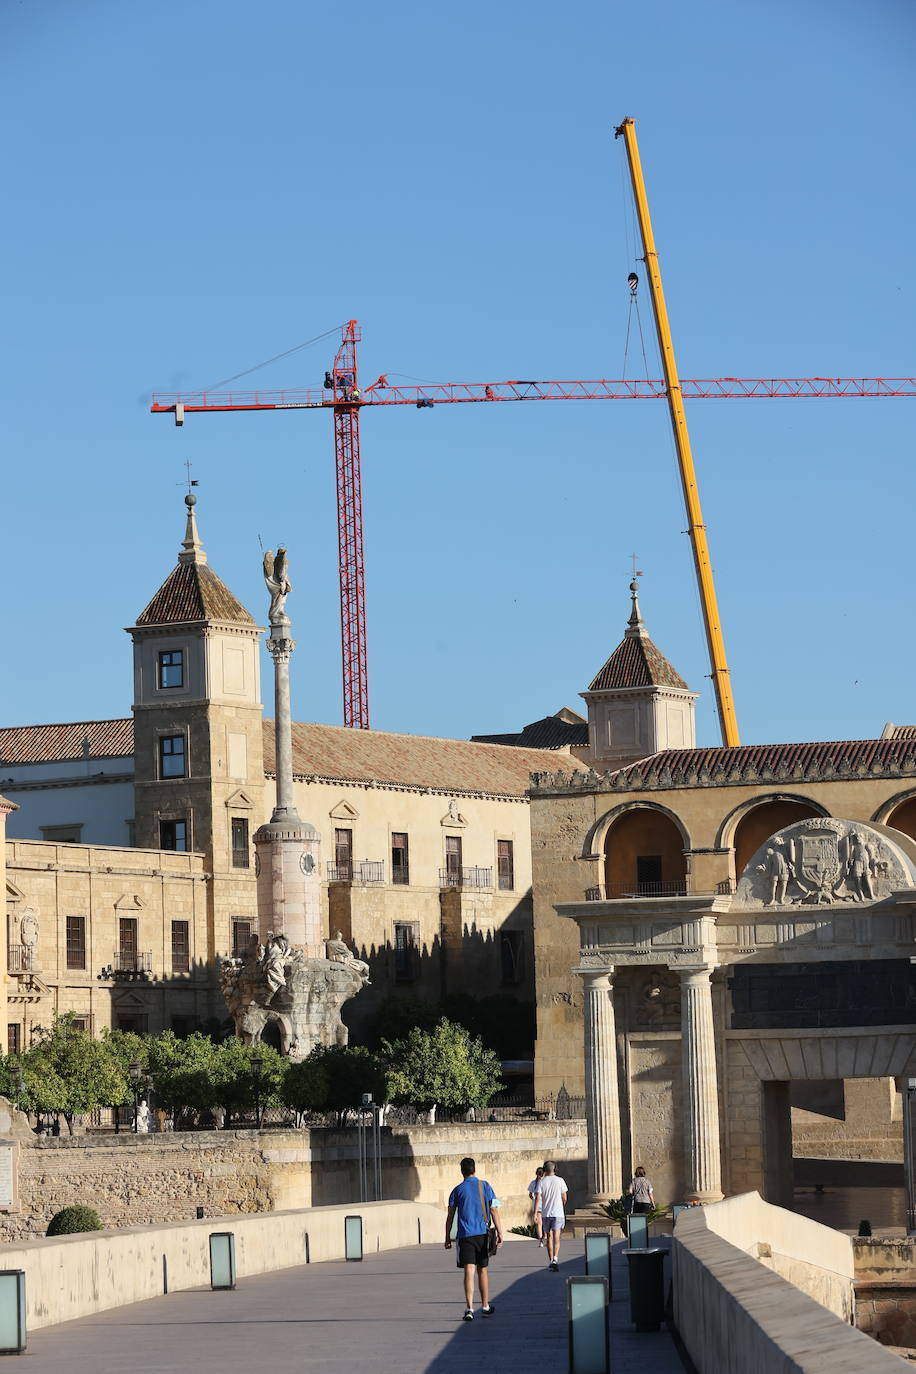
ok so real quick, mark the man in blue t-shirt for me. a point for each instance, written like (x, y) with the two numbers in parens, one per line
(477, 1207)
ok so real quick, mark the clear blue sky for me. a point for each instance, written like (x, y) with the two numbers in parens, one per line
(194, 186)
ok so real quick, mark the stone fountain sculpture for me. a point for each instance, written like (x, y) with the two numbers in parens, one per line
(289, 975)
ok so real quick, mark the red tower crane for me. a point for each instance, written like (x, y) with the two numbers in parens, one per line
(342, 394)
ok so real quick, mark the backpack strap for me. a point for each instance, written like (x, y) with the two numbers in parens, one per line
(484, 1205)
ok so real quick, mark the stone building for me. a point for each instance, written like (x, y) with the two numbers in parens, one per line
(689, 974)
(130, 858)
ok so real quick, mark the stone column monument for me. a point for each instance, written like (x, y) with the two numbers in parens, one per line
(701, 1086)
(290, 977)
(602, 1099)
(288, 857)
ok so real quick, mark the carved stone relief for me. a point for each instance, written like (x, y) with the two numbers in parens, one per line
(655, 1001)
(823, 861)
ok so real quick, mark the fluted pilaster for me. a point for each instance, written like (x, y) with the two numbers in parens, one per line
(701, 1086)
(602, 1097)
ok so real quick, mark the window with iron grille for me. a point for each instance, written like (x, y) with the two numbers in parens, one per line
(240, 856)
(173, 834)
(171, 756)
(400, 867)
(171, 668)
(181, 947)
(76, 942)
(343, 853)
(127, 943)
(241, 938)
(82, 1023)
(406, 960)
(453, 856)
(649, 874)
(505, 865)
(13, 1038)
(512, 956)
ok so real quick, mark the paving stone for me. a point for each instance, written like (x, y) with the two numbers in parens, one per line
(398, 1312)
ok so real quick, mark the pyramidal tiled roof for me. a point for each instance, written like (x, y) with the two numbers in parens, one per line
(192, 591)
(636, 662)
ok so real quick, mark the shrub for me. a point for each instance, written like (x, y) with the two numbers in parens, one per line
(71, 1220)
(530, 1230)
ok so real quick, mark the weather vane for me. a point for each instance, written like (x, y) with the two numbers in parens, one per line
(636, 571)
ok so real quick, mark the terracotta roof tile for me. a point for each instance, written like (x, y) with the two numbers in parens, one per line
(450, 765)
(191, 592)
(682, 767)
(59, 743)
(549, 733)
(636, 662)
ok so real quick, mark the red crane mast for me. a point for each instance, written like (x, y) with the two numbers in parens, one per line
(341, 393)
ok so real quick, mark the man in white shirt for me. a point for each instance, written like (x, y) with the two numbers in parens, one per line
(550, 1204)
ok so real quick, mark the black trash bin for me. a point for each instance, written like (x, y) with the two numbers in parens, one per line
(647, 1288)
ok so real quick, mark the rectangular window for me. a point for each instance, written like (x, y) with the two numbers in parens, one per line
(83, 1023)
(649, 874)
(62, 834)
(138, 1023)
(240, 857)
(171, 668)
(343, 854)
(171, 756)
(183, 1026)
(505, 865)
(512, 953)
(241, 938)
(400, 867)
(181, 947)
(127, 944)
(173, 834)
(76, 942)
(13, 1038)
(453, 860)
(406, 960)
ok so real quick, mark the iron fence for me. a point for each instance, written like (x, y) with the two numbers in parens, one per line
(366, 871)
(20, 959)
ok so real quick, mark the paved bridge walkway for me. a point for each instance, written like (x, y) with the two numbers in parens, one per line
(395, 1313)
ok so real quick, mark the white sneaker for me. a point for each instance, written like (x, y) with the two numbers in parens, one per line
(468, 1316)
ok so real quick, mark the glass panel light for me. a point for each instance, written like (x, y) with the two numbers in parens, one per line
(222, 1259)
(588, 1334)
(12, 1311)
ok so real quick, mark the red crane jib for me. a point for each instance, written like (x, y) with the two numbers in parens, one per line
(342, 395)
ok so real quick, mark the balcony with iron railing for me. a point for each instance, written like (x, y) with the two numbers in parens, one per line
(611, 892)
(132, 961)
(479, 878)
(20, 959)
(362, 871)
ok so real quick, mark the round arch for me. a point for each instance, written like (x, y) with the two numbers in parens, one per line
(644, 852)
(596, 838)
(747, 826)
(899, 812)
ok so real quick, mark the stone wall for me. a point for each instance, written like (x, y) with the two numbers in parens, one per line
(132, 1180)
(734, 1313)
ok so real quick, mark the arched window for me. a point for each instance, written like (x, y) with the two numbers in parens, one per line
(903, 818)
(644, 855)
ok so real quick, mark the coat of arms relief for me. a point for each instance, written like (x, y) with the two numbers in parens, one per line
(823, 861)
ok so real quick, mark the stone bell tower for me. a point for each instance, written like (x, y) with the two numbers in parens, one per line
(638, 704)
(199, 768)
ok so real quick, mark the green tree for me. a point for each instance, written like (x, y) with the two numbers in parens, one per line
(305, 1087)
(87, 1074)
(443, 1067)
(183, 1074)
(233, 1080)
(351, 1071)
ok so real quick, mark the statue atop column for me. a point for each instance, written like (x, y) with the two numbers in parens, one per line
(278, 584)
(290, 975)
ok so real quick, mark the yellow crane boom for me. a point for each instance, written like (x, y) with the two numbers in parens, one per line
(695, 527)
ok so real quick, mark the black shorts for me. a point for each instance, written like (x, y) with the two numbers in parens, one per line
(473, 1250)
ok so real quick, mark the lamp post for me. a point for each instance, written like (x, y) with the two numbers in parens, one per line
(135, 1069)
(257, 1064)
